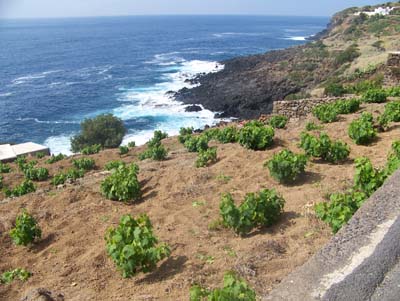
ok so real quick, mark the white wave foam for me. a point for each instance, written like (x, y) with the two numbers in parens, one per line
(233, 34)
(47, 121)
(59, 144)
(32, 77)
(6, 94)
(296, 38)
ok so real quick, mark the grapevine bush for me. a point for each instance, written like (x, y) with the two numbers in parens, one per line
(286, 167)
(206, 157)
(311, 126)
(258, 209)
(393, 92)
(197, 143)
(4, 168)
(362, 130)
(10, 276)
(131, 144)
(123, 150)
(133, 247)
(25, 187)
(278, 121)
(26, 230)
(367, 178)
(325, 114)
(234, 289)
(185, 134)
(155, 150)
(113, 165)
(123, 184)
(84, 163)
(71, 175)
(254, 135)
(36, 174)
(374, 96)
(324, 148)
(91, 149)
(229, 134)
(55, 158)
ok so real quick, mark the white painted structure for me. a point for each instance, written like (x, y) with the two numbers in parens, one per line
(10, 152)
(384, 11)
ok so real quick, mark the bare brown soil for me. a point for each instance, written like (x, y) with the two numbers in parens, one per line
(181, 201)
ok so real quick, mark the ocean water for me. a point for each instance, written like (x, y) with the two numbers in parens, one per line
(54, 73)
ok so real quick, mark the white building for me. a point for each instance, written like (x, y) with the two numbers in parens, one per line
(10, 152)
(384, 11)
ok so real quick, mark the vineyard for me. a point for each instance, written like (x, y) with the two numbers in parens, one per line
(230, 210)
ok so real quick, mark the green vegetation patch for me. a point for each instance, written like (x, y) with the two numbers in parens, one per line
(286, 166)
(26, 230)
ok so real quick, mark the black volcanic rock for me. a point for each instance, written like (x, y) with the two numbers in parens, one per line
(193, 108)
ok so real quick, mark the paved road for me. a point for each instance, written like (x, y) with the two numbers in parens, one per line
(361, 262)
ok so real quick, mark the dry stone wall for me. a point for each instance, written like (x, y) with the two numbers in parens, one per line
(392, 73)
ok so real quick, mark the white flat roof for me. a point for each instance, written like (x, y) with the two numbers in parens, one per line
(29, 147)
(7, 152)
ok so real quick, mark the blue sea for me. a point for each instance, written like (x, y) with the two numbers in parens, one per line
(56, 72)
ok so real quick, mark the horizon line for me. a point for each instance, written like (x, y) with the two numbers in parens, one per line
(160, 15)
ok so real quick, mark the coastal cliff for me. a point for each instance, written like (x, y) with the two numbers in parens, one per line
(353, 47)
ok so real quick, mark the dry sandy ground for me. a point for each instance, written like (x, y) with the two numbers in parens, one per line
(71, 257)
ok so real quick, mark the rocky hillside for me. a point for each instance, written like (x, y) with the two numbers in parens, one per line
(352, 48)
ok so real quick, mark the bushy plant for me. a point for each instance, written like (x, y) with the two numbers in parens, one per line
(26, 230)
(91, 149)
(362, 130)
(9, 276)
(392, 111)
(155, 150)
(311, 126)
(72, 175)
(197, 143)
(123, 184)
(340, 208)
(84, 163)
(4, 168)
(212, 134)
(325, 113)
(36, 174)
(1, 182)
(258, 209)
(393, 92)
(286, 166)
(347, 106)
(368, 179)
(229, 134)
(185, 134)
(113, 165)
(105, 130)
(234, 289)
(206, 157)
(254, 135)
(393, 161)
(55, 158)
(131, 144)
(123, 150)
(347, 55)
(278, 121)
(374, 96)
(324, 148)
(40, 155)
(21, 162)
(334, 89)
(133, 247)
(25, 187)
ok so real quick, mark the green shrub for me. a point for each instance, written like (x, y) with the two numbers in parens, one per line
(40, 155)
(212, 134)
(229, 134)
(10, 276)
(393, 161)
(206, 157)
(368, 179)
(4, 168)
(21, 161)
(91, 149)
(258, 209)
(362, 130)
(114, 165)
(26, 230)
(55, 158)
(311, 126)
(185, 134)
(123, 150)
(36, 174)
(133, 247)
(347, 106)
(374, 96)
(123, 184)
(131, 144)
(235, 289)
(348, 55)
(1, 182)
(106, 130)
(340, 209)
(71, 175)
(393, 92)
(254, 135)
(392, 111)
(278, 121)
(155, 150)
(25, 187)
(325, 113)
(286, 166)
(334, 89)
(197, 143)
(365, 85)
(324, 148)
(84, 163)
